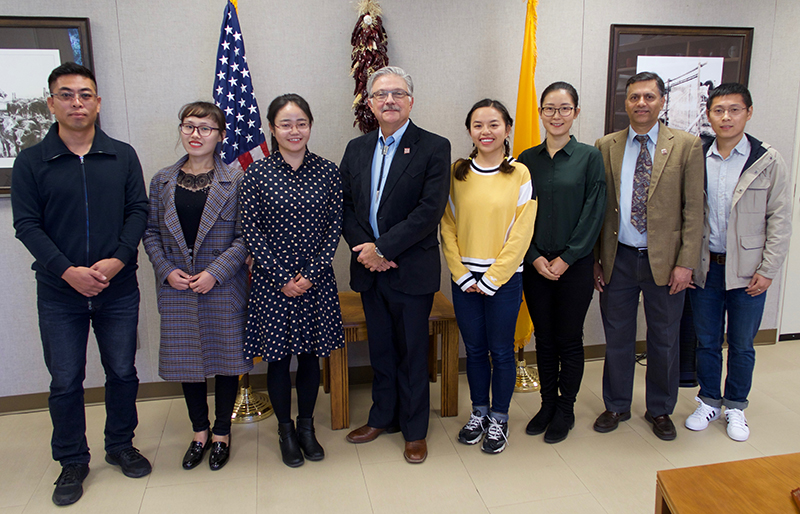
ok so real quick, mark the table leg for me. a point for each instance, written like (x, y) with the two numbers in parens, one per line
(449, 368)
(340, 389)
(661, 504)
(433, 355)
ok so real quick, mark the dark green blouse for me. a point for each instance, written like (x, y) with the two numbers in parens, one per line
(571, 192)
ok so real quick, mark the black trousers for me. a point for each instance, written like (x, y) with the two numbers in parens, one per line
(558, 310)
(398, 350)
(225, 391)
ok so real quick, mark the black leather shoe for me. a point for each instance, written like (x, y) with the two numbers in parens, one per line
(220, 453)
(663, 427)
(308, 440)
(541, 420)
(290, 447)
(69, 486)
(194, 455)
(609, 420)
(559, 427)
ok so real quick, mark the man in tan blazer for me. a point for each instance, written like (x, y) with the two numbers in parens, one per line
(650, 243)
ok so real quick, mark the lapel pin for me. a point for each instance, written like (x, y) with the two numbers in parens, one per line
(663, 151)
(406, 150)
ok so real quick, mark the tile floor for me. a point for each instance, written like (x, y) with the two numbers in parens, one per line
(588, 473)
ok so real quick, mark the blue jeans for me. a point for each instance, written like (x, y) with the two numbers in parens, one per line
(65, 330)
(744, 319)
(487, 325)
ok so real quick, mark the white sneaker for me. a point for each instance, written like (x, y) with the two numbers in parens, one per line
(701, 417)
(737, 425)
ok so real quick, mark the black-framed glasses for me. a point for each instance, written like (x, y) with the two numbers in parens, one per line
(204, 130)
(68, 96)
(564, 110)
(397, 94)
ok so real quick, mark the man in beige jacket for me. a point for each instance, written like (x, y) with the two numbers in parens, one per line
(650, 243)
(747, 231)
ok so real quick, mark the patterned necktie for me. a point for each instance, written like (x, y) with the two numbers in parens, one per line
(641, 184)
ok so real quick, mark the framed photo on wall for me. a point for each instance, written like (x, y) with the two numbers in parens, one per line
(690, 60)
(30, 47)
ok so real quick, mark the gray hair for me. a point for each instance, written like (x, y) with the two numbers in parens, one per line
(391, 70)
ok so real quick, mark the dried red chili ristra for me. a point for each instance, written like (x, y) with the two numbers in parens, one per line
(369, 54)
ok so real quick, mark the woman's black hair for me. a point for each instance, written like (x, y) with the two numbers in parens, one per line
(279, 103)
(566, 86)
(462, 165)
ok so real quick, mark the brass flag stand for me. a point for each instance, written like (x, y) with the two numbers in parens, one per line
(250, 407)
(527, 376)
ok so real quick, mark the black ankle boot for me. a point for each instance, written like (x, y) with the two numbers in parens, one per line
(308, 440)
(290, 448)
(541, 420)
(559, 427)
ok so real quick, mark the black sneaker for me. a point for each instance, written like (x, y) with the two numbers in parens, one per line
(496, 436)
(69, 488)
(133, 463)
(474, 429)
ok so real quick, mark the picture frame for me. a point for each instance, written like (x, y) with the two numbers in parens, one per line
(627, 42)
(32, 47)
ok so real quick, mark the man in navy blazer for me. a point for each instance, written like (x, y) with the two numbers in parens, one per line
(395, 183)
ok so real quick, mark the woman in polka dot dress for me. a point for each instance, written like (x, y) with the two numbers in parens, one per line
(292, 218)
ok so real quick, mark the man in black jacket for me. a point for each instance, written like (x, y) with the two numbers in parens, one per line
(395, 182)
(80, 207)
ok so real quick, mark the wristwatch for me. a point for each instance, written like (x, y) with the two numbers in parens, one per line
(378, 253)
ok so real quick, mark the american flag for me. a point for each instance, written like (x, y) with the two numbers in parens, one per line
(233, 93)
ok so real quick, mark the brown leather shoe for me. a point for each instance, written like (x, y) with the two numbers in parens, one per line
(416, 451)
(663, 427)
(365, 434)
(609, 420)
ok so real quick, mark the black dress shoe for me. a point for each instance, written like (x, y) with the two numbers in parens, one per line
(609, 420)
(220, 452)
(290, 447)
(194, 455)
(663, 427)
(307, 439)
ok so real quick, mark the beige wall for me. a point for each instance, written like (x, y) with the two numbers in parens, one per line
(153, 56)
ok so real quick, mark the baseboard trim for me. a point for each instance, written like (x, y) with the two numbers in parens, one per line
(358, 375)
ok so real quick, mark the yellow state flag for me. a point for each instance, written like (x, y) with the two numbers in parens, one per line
(526, 135)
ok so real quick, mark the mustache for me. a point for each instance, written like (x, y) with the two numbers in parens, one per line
(390, 108)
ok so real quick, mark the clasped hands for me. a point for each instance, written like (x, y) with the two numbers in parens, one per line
(369, 258)
(201, 283)
(92, 280)
(551, 270)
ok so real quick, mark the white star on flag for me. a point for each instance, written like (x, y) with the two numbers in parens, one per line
(233, 91)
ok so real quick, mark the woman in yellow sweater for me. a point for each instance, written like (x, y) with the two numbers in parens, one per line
(486, 229)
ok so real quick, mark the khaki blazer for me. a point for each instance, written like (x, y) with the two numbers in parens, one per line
(674, 202)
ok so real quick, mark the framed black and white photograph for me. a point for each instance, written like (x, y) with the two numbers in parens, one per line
(690, 60)
(30, 48)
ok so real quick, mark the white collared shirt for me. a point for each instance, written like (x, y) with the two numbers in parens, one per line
(628, 235)
(723, 175)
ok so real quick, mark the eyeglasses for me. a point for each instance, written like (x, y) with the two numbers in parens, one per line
(300, 125)
(188, 129)
(397, 94)
(68, 96)
(563, 111)
(734, 111)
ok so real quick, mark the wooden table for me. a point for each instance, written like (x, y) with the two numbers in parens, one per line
(745, 486)
(336, 376)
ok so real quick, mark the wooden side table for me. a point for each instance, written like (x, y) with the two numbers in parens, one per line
(335, 372)
(746, 486)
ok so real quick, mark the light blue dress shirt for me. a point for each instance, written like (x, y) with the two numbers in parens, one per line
(376, 189)
(628, 235)
(723, 175)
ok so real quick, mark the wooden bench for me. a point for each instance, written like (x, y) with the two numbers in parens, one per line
(745, 486)
(335, 372)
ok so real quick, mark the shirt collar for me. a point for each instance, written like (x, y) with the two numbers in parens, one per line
(568, 148)
(652, 134)
(742, 148)
(398, 134)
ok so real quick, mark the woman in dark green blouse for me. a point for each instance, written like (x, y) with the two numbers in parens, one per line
(569, 180)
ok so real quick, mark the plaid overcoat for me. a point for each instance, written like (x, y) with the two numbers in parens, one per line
(201, 334)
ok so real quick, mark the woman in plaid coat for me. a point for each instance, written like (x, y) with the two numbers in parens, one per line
(194, 241)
